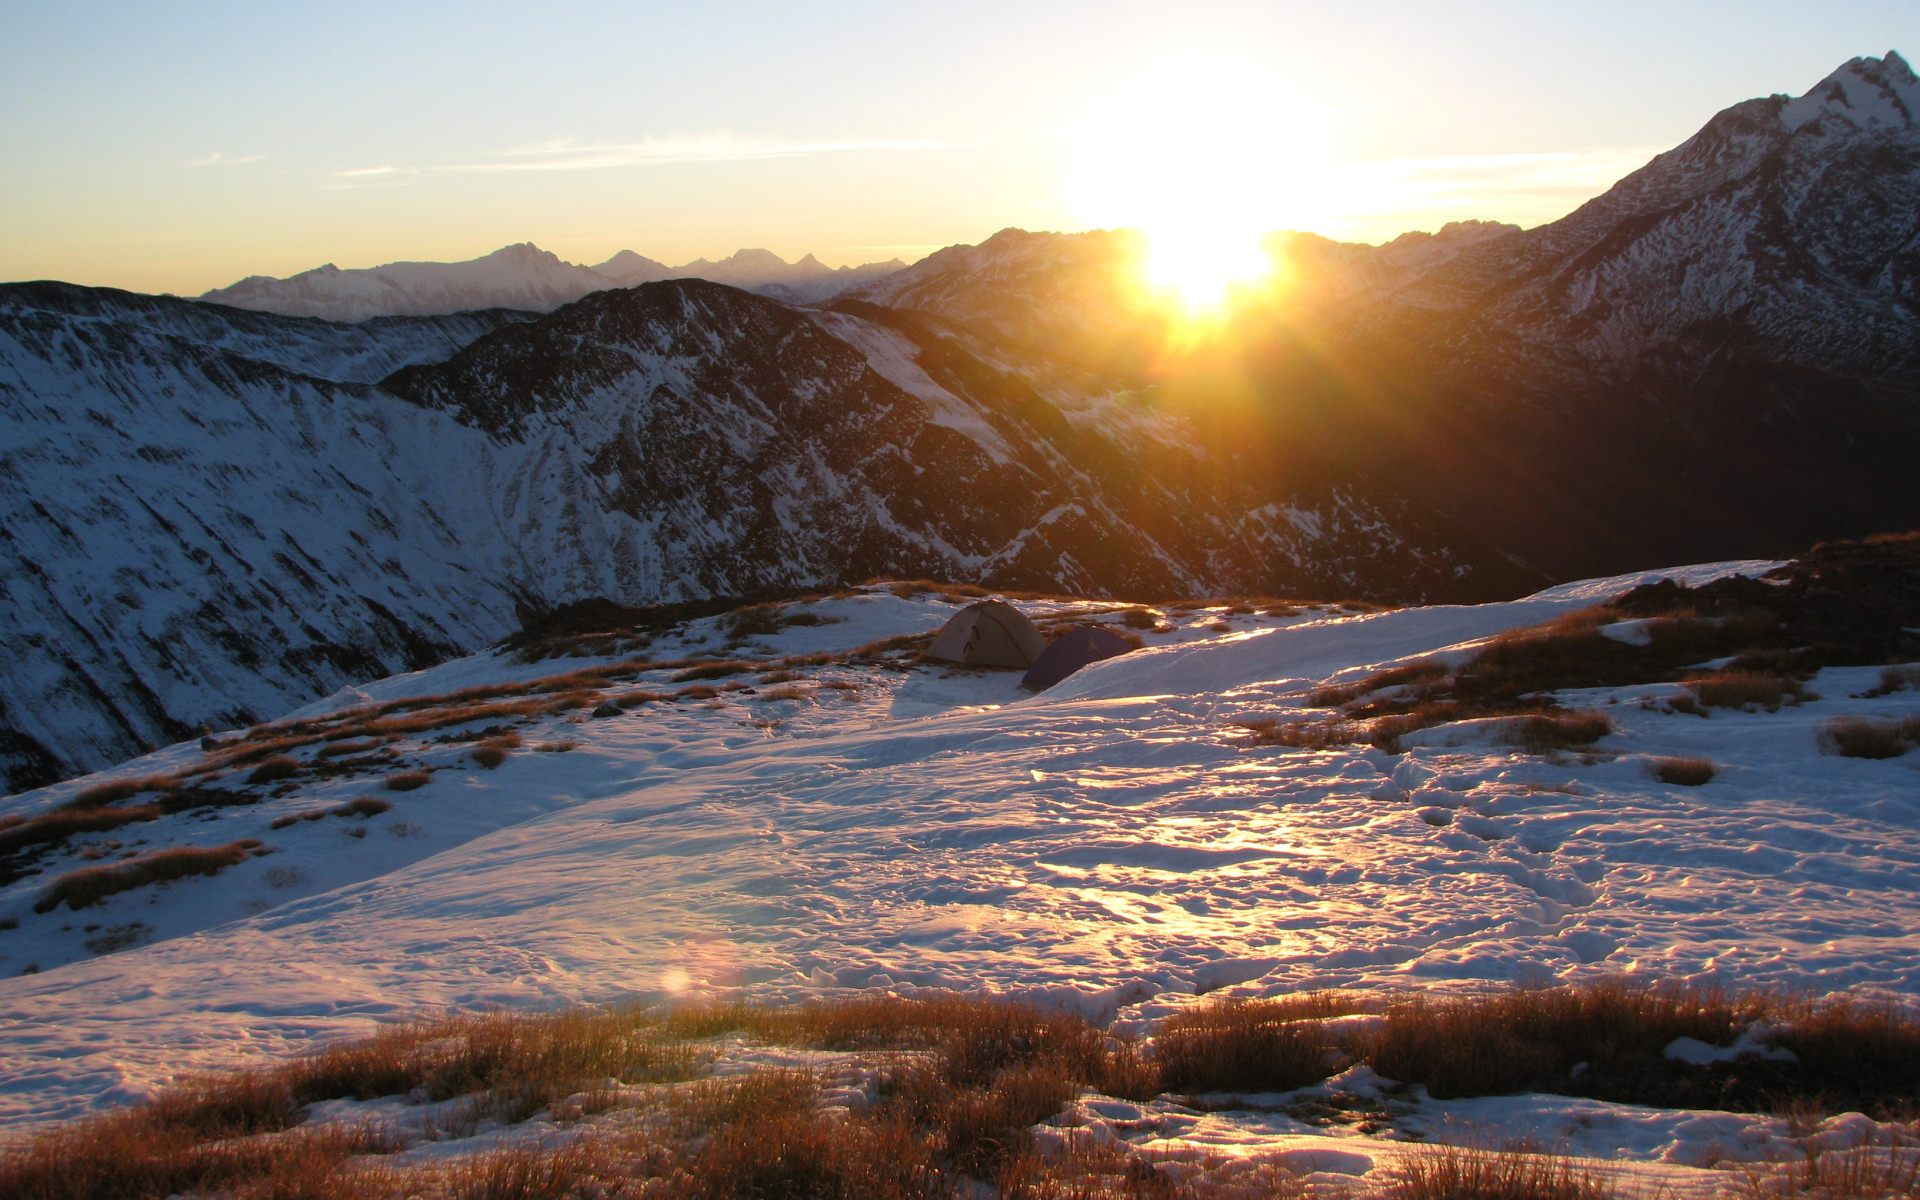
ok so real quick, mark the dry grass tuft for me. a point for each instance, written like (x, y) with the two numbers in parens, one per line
(1303, 735)
(1413, 674)
(90, 885)
(1252, 1045)
(1869, 737)
(715, 670)
(120, 789)
(1903, 678)
(1747, 690)
(407, 781)
(134, 1156)
(1461, 1173)
(274, 769)
(64, 823)
(494, 751)
(364, 806)
(1852, 1054)
(1540, 733)
(787, 691)
(1685, 772)
(1874, 1172)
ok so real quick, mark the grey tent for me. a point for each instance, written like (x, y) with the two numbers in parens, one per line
(1071, 651)
(988, 634)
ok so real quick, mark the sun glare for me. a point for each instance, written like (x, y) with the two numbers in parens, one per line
(1205, 162)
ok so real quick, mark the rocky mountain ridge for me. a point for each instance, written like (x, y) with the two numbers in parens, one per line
(264, 518)
(526, 278)
(1715, 357)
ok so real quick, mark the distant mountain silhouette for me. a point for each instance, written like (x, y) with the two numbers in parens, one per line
(523, 277)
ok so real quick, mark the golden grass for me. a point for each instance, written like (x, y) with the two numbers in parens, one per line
(494, 750)
(64, 823)
(787, 691)
(1869, 737)
(1875, 1172)
(1465, 1173)
(1747, 689)
(119, 789)
(273, 769)
(1252, 1045)
(1685, 772)
(90, 885)
(961, 1106)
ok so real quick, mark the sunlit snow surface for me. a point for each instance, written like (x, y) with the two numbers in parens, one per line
(1114, 844)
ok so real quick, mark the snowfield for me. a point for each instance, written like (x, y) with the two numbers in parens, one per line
(1115, 845)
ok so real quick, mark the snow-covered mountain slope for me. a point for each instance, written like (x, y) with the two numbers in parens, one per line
(1729, 332)
(1789, 227)
(857, 821)
(526, 278)
(521, 276)
(258, 525)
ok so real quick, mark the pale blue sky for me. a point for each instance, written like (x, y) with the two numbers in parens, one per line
(178, 146)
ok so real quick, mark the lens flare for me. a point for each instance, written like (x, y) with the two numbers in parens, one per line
(1205, 160)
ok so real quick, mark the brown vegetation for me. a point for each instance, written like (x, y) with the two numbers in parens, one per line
(1748, 690)
(1252, 1045)
(961, 1105)
(1842, 604)
(1904, 678)
(718, 669)
(61, 824)
(407, 781)
(1464, 1173)
(492, 752)
(1685, 772)
(364, 806)
(273, 769)
(1536, 730)
(1867, 737)
(1540, 733)
(1851, 1054)
(1869, 1172)
(90, 885)
(1423, 671)
(119, 789)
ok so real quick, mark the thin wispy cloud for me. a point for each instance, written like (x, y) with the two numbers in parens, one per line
(220, 159)
(570, 155)
(699, 148)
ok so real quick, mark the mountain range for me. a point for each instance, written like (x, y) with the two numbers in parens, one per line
(524, 277)
(215, 514)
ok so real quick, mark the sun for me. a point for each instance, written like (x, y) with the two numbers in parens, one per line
(1205, 160)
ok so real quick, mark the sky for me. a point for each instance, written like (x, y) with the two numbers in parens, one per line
(176, 147)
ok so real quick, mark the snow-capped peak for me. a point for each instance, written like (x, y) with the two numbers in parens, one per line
(1865, 93)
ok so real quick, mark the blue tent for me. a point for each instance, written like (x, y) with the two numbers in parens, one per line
(1069, 652)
